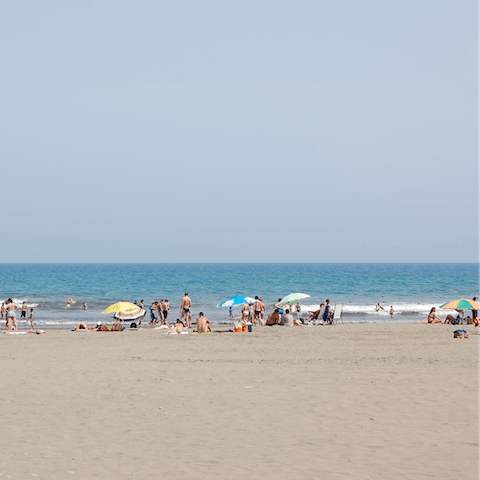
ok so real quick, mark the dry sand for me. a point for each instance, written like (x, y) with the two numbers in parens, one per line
(383, 401)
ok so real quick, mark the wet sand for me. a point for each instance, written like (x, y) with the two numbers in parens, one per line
(371, 401)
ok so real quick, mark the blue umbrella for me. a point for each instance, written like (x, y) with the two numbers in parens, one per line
(238, 300)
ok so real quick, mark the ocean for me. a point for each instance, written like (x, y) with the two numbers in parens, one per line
(412, 289)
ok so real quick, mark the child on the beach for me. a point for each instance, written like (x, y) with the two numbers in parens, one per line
(31, 319)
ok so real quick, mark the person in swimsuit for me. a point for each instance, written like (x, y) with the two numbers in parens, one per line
(166, 309)
(178, 328)
(2, 310)
(262, 315)
(391, 311)
(433, 318)
(274, 318)
(160, 311)
(11, 315)
(257, 310)
(185, 309)
(153, 313)
(24, 310)
(230, 311)
(245, 312)
(31, 319)
(85, 305)
(203, 323)
(280, 309)
(298, 307)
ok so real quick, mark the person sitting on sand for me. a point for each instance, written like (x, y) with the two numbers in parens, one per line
(203, 323)
(274, 318)
(455, 320)
(433, 318)
(287, 318)
(178, 327)
(314, 315)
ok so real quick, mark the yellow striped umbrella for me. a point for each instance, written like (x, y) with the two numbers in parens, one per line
(461, 304)
(120, 307)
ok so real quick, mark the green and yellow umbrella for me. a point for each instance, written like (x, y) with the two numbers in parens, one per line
(461, 304)
(120, 307)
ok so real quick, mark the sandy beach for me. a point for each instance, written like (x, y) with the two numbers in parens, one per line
(372, 401)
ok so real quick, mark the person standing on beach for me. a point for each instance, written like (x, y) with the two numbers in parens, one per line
(31, 319)
(2, 310)
(262, 315)
(141, 305)
(11, 315)
(24, 310)
(160, 311)
(153, 313)
(245, 312)
(257, 310)
(203, 323)
(166, 310)
(298, 307)
(185, 309)
(326, 313)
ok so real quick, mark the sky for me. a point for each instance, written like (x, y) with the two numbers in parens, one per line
(227, 131)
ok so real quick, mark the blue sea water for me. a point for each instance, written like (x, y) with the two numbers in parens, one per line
(412, 289)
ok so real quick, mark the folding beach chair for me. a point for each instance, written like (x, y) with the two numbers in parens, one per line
(319, 320)
(337, 315)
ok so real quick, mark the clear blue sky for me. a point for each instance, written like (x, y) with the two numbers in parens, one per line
(221, 131)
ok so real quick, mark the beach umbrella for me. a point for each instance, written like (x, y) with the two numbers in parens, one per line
(120, 307)
(238, 300)
(292, 298)
(461, 304)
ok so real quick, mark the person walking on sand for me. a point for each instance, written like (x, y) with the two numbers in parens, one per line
(11, 315)
(31, 319)
(391, 311)
(203, 323)
(185, 309)
(24, 310)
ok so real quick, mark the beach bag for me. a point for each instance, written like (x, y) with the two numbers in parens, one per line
(460, 334)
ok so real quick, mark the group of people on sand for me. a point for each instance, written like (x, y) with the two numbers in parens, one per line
(253, 313)
(452, 320)
(158, 312)
(9, 311)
